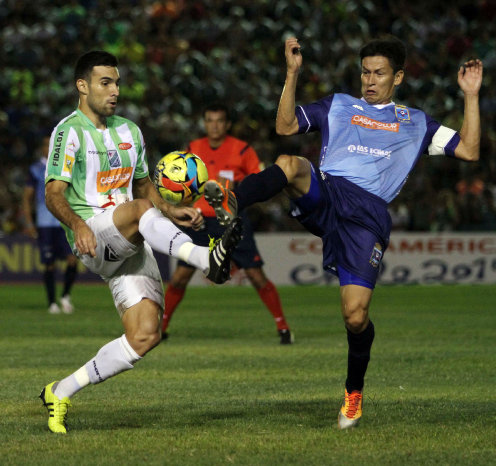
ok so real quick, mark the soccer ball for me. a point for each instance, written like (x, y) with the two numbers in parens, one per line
(180, 177)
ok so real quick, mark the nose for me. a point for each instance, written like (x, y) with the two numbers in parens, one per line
(370, 79)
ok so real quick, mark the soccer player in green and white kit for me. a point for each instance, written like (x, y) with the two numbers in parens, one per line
(97, 185)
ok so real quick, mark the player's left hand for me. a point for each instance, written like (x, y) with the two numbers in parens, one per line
(470, 77)
(185, 216)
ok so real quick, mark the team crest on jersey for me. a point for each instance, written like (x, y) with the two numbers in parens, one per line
(402, 113)
(114, 159)
(376, 256)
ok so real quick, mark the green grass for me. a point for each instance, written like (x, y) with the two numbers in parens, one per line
(223, 391)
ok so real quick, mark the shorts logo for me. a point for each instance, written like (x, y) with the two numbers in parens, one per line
(402, 113)
(114, 159)
(113, 179)
(110, 255)
(369, 123)
(124, 146)
(376, 256)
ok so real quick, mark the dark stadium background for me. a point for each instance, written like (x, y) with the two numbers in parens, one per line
(176, 56)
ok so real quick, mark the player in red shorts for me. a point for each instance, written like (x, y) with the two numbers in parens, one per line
(228, 159)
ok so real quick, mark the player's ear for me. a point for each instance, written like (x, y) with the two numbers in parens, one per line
(229, 124)
(398, 77)
(82, 86)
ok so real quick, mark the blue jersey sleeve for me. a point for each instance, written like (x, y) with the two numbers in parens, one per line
(313, 117)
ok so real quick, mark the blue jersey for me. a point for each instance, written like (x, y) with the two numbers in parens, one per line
(374, 147)
(36, 180)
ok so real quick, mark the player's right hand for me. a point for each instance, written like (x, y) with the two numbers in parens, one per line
(294, 59)
(85, 240)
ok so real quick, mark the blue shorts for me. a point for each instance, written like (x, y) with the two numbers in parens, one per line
(354, 226)
(245, 255)
(53, 244)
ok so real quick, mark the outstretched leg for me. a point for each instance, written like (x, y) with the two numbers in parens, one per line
(290, 173)
(138, 220)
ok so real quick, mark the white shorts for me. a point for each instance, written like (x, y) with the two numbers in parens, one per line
(131, 271)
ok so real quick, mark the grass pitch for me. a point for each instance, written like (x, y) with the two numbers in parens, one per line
(223, 391)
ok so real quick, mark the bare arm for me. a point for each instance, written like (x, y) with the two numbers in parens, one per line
(286, 121)
(57, 204)
(27, 208)
(185, 216)
(470, 80)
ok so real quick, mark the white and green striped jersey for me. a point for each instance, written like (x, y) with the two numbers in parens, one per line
(99, 165)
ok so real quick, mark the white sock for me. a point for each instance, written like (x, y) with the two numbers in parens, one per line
(112, 359)
(194, 255)
(163, 236)
(160, 233)
(72, 384)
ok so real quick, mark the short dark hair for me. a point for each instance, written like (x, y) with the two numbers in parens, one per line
(390, 47)
(217, 107)
(86, 62)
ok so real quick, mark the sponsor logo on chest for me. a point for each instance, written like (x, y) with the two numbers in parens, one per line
(369, 123)
(113, 179)
(376, 152)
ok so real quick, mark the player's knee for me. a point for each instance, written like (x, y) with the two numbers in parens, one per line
(355, 316)
(289, 165)
(142, 205)
(72, 260)
(257, 278)
(143, 340)
(179, 282)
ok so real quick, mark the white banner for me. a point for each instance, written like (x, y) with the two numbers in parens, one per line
(427, 258)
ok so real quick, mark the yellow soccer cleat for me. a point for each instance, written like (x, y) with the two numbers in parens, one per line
(351, 411)
(57, 409)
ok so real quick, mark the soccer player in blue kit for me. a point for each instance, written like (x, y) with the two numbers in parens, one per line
(369, 146)
(50, 235)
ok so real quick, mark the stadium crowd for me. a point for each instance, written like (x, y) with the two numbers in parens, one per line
(176, 56)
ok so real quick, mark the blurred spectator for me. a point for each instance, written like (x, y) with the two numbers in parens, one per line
(445, 216)
(177, 56)
(400, 215)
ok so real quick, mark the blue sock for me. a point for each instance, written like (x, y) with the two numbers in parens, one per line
(260, 187)
(359, 345)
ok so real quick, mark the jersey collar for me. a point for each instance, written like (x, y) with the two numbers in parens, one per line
(379, 106)
(88, 121)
